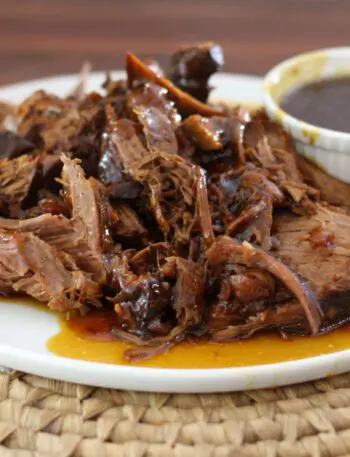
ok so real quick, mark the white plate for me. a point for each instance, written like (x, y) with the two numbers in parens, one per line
(24, 331)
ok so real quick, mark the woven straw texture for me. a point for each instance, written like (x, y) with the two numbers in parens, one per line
(45, 418)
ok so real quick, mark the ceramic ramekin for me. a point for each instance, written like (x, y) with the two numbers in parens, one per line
(327, 148)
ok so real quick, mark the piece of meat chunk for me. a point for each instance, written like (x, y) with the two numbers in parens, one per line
(192, 66)
(327, 268)
(207, 133)
(40, 113)
(227, 252)
(271, 150)
(188, 293)
(318, 247)
(129, 226)
(153, 96)
(65, 235)
(121, 147)
(243, 201)
(70, 125)
(138, 72)
(16, 180)
(90, 210)
(140, 299)
(332, 190)
(174, 189)
(151, 258)
(30, 265)
(177, 196)
(47, 203)
(157, 128)
(13, 145)
(159, 309)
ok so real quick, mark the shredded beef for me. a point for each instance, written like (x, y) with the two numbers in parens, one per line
(184, 219)
(229, 251)
(331, 190)
(91, 211)
(13, 145)
(16, 181)
(30, 265)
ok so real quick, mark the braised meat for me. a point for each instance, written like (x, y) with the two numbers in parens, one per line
(207, 133)
(13, 145)
(111, 167)
(192, 66)
(317, 247)
(331, 190)
(183, 219)
(31, 266)
(16, 182)
(186, 104)
(227, 252)
(69, 125)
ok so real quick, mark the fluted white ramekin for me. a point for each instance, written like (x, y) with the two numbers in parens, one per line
(327, 148)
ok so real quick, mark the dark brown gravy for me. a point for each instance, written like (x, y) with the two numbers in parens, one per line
(323, 103)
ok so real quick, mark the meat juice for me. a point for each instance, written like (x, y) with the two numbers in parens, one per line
(89, 338)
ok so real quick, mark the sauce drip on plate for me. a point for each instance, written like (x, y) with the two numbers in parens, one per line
(322, 103)
(89, 338)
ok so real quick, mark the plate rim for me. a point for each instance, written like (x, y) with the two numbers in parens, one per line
(166, 380)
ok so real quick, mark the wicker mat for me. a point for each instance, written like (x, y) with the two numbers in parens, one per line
(45, 418)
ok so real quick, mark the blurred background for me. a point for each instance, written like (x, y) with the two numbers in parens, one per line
(45, 37)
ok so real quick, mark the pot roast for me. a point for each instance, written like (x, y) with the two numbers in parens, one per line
(189, 220)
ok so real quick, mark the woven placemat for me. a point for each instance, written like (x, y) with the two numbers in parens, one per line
(40, 417)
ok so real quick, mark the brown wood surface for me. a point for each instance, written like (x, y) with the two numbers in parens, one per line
(45, 37)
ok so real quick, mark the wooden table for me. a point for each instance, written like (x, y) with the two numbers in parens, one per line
(45, 37)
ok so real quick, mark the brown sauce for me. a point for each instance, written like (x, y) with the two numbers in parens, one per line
(322, 103)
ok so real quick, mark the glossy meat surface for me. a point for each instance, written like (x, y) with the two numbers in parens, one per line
(186, 220)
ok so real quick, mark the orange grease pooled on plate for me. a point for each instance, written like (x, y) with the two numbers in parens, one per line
(88, 338)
